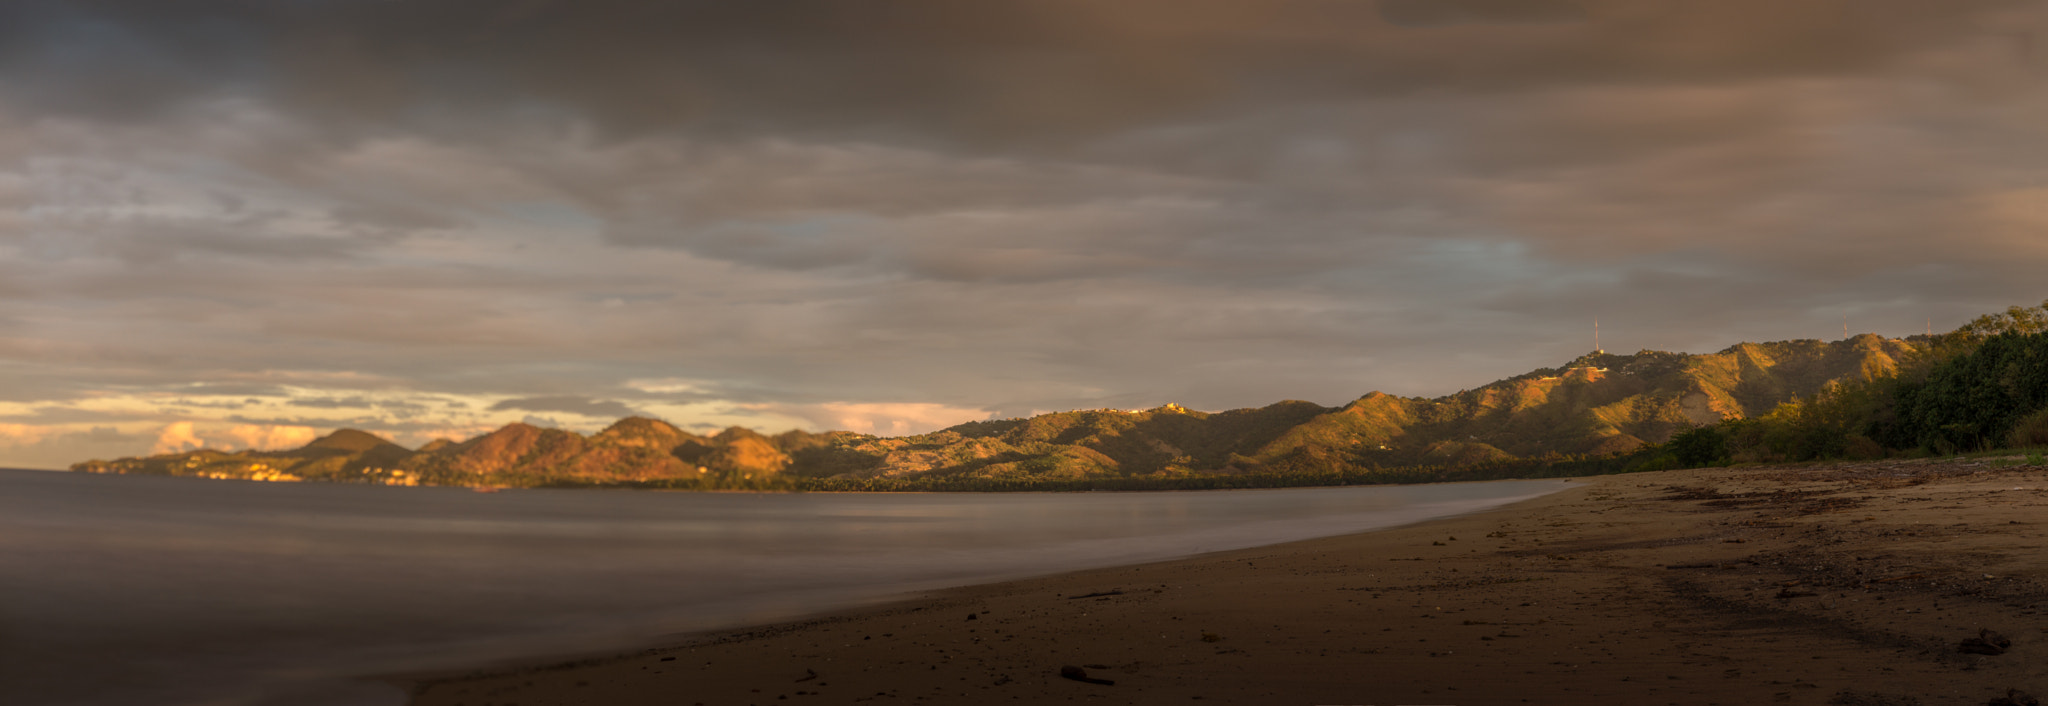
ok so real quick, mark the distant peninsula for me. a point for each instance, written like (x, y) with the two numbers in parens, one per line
(1596, 413)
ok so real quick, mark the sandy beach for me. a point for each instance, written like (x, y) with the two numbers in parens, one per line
(1831, 584)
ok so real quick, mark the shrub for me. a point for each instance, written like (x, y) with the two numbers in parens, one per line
(1659, 462)
(1699, 447)
(1862, 448)
(2030, 431)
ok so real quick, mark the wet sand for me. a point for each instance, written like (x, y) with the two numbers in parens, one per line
(1834, 584)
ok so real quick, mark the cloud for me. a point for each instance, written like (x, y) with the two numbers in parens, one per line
(1006, 71)
(667, 386)
(355, 402)
(415, 437)
(257, 437)
(21, 434)
(71, 415)
(208, 404)
(177, 437)
(1439, 13)
(567, 403)
(389, 218)
(185, 436)
(540, 421)
(57, 447)
(419, 216)
(879, 418)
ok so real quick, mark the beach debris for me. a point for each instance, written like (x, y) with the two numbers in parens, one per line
(809, 674)
(973, 616)
(2015, 697)
(1986, 642)
(1787, 593)
(1096, 594)
(1081, 675)
(1703, 565)
(1211, 637)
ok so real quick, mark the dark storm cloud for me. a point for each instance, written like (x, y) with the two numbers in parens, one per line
(918, 69)
(691, 91)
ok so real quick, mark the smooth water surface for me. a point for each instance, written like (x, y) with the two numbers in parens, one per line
(138, 589)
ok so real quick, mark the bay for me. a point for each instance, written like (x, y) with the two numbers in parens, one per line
(139, 589)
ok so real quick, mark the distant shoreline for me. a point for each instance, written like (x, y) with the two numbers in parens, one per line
(1042, 488)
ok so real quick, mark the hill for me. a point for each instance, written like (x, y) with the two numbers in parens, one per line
(634, 449)
(1598, 404)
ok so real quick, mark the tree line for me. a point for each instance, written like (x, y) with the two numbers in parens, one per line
(1981, 387)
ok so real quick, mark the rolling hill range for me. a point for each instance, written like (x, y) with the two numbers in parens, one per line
(1595, 405)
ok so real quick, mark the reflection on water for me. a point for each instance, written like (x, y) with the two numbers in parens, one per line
(135, 589)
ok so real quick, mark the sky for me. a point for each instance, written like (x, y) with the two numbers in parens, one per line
(241, 224)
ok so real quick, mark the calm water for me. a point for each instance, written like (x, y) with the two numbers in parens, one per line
(135, 589)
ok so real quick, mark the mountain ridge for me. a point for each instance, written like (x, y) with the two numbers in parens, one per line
(1597, 404)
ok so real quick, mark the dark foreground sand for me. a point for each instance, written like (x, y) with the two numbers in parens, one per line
(1851, 584)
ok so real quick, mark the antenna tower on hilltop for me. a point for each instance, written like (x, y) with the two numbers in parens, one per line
(1596, 337)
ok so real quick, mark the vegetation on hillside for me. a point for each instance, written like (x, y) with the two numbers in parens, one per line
(1981, 387)
(1985, 384)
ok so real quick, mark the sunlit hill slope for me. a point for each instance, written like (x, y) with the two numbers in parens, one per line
(1597, 404)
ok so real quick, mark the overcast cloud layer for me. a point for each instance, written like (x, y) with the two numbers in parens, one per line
(244, 223)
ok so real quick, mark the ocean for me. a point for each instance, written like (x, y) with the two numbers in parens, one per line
(176, 591)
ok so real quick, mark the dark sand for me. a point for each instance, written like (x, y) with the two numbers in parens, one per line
(1847, 584)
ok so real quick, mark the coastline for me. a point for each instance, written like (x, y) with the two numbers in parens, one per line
(1829, 584)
